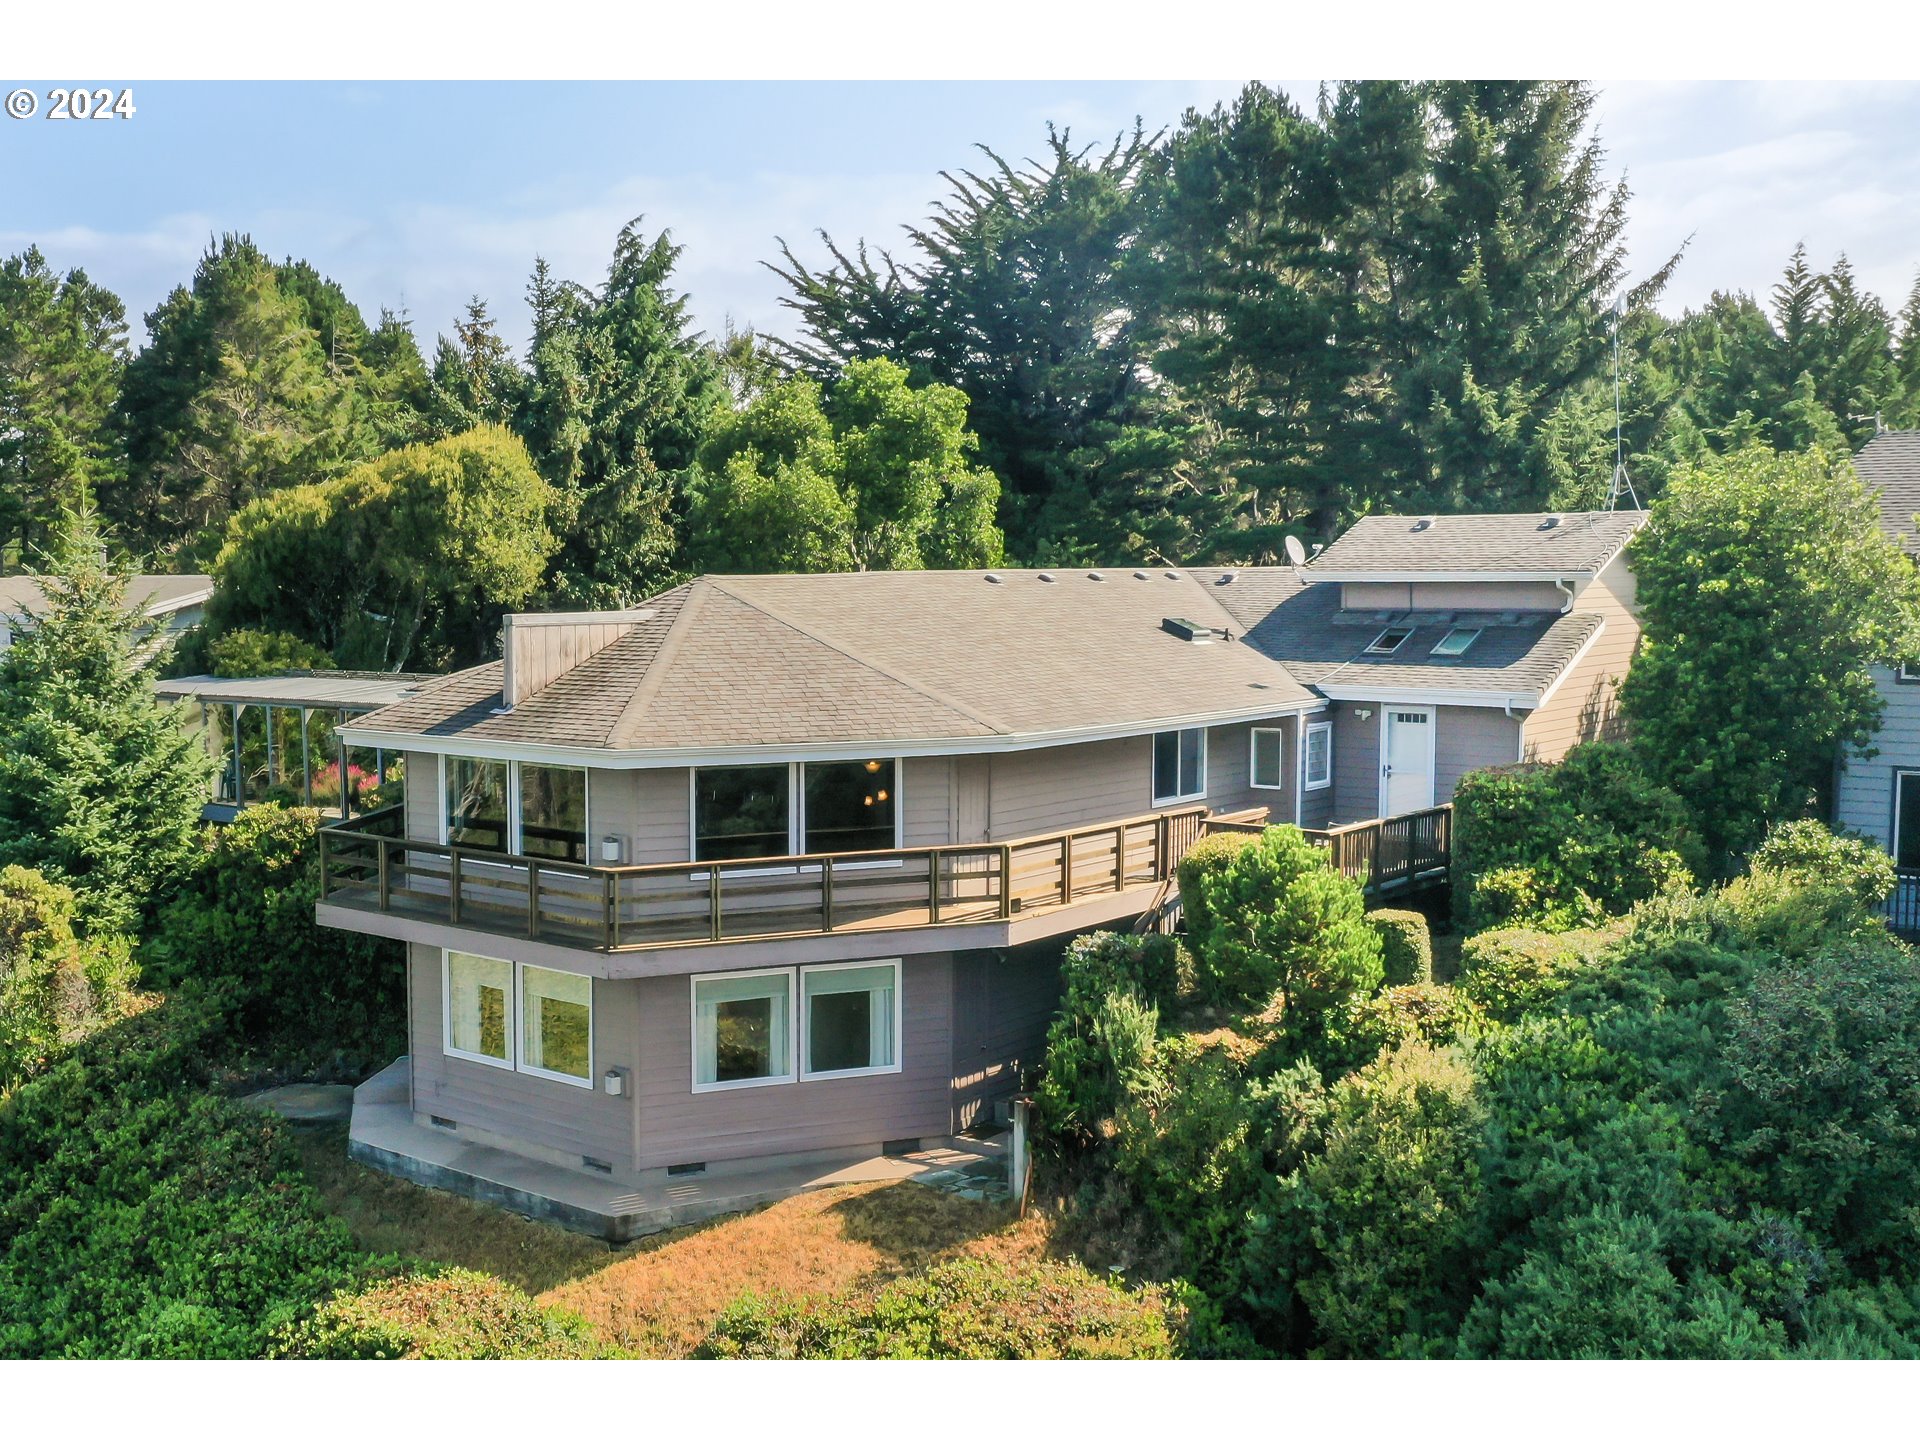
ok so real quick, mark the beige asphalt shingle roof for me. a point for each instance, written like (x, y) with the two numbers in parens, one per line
(1889, 464)
(159, 592)
(912, 655)
(1581, 543)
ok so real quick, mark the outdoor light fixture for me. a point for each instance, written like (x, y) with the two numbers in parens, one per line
(1363, 714)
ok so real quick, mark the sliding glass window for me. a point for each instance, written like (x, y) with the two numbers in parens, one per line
(553, 813)
(741, 812)
(477, 803)
(742, 1029)
(850, 806)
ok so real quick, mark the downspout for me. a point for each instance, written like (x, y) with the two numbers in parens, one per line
(1566, 586)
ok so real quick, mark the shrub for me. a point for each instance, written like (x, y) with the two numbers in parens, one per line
(959, 1310)
(1207, 856)
(1112, 986)
(1381, 1215)
(144, 1217)
(1809, 851)
(1555, 846)
(55, 987)
(454, 1315)
(244, 923)
(1406, 946)
(1283, 923)
(1107, 960)
(1507, 973)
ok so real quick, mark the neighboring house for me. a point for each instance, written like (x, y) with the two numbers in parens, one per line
(175, 603)
(782, 865)
(1879, 795)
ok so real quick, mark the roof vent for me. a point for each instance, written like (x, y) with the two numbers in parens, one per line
(1552, 522)
(1173, 574)
(1193, 631)
(1095, 575)
(1139, 574)
(1425, 522)
(1045, 578)
(1226, 579)
(993, 579)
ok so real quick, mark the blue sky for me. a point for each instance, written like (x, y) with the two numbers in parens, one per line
(418, 195)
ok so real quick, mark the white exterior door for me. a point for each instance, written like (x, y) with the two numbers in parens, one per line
(1406, 760)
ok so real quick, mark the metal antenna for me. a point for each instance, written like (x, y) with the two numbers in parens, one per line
(1622, 483)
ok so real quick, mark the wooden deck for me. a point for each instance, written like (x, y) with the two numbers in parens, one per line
(366, 864)
(1401, 853)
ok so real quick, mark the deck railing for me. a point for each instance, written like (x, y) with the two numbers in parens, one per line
(630, 907)
(1903, 905)
(1385, 854)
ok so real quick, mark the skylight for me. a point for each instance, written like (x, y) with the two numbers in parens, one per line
(1457, 641)
(1389, 640)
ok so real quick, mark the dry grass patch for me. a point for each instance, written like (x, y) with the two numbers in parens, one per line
(396, 1217)
(662, 1296)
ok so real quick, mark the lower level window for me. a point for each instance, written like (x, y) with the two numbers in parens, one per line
(554, 1034)
(742, 1029)
(850, 1018)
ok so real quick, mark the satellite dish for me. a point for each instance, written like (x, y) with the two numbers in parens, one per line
(1296, 552)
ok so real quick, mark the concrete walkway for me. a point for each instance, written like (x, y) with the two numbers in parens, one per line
(383, 1135)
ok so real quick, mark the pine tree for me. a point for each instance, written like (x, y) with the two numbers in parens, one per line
(101, 787)
(1903, 401)
(63, 348)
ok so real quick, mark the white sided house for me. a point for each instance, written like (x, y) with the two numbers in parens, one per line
(779, 868)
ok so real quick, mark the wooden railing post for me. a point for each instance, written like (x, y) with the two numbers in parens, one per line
(386, 882)
(826, 894)
(1066, 869)
(326, 868)
(612, 926)
(1119, 857)
(1162, 848)
(533, 898)
(453, 886)
(933, 887)
(713, 903)
(1006, 882)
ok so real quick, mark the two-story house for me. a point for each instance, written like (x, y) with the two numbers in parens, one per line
(1878, 795)
(783, 865)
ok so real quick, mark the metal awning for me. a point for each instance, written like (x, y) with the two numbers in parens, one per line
(355, 690)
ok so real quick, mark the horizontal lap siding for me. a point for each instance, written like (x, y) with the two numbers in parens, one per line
(1586, 706)
(1035, 792)
(1356, 764)
(1003, 1002)
(1230, 770)
(423, 796)
(648, 809)
(1468, 738)
(1863, 798)
(679, 1127)
(926, 786)
(568, 1120)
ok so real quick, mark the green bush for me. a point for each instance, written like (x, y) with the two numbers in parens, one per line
(146, 1217)
(1508, 973)
(1108, 960)
(453, 1315)
(1555, 846)
(1209, 855)
(1811, 852)
(1406, 946)
(1382, 1215)
(1283, 924)
(1112, 986)
(959, 1310)
(302, 994)
(55, 986)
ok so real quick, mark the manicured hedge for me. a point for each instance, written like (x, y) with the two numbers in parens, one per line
(1406, 946)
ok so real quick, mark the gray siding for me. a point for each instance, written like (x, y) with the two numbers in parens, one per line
(647, 809)
(1230, 769)
(1466, 737)
(1863, 797)
(678, 1127)
(423, 796)
(1356, 764)
(1586, 706)
(924, 787)
(1003, 1001)
(1452, 595)
(545, 1117)
(1034, 792)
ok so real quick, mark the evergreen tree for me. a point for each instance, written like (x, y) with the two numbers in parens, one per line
(474, 378)
(101, 787)
(1903, 400)
(63, 348)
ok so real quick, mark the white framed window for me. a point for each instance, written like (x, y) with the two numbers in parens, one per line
(1389, 640)
(1267, 770)
(514, 808)
(1179, 765)
(477, 996)
(1908, 673)
(1319, 756)
(518, 1017)
(850, 1020)
(556, 1025)
(743, 1029)
(825, 807)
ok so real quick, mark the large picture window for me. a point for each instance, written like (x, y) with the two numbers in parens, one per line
(850, 806)
(553, 812)
(539, 1021)
(1179, 765)
(742, 1029)
(556, 1024)
(850, 1019)
(741, 812)
(477, 803)
(1269, 770)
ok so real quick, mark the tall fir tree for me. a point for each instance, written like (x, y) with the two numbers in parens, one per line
(101, 787)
